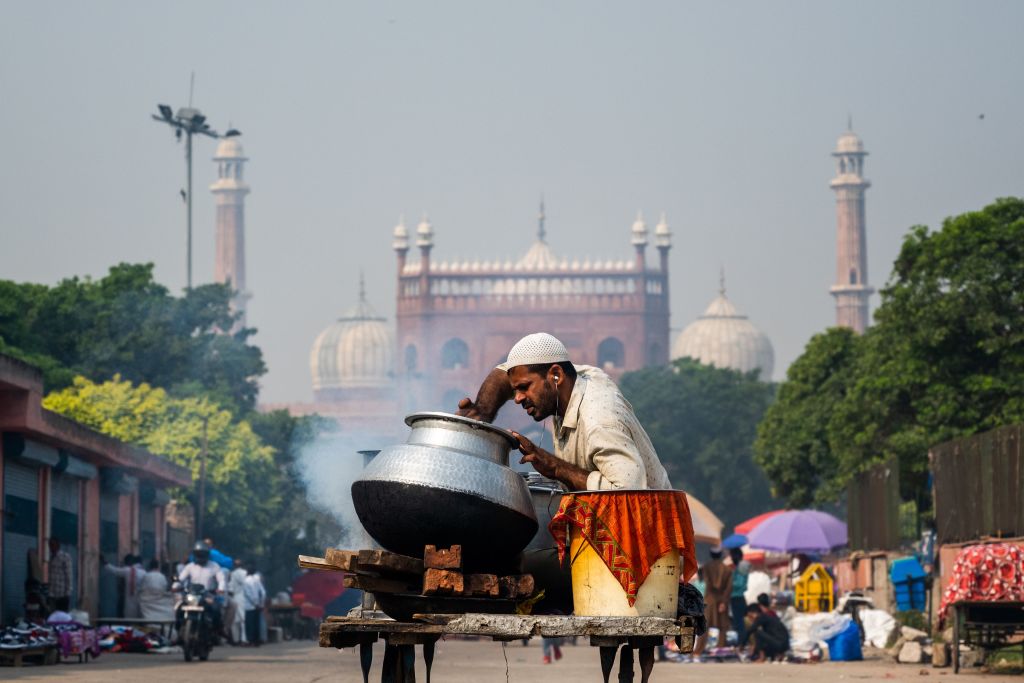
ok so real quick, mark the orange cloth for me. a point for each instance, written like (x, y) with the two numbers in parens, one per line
(630, 530)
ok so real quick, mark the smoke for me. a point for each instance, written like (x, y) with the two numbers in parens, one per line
(328, 465)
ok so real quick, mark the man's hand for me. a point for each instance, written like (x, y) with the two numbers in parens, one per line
(721, 607)
(467, 408)
(551, 466)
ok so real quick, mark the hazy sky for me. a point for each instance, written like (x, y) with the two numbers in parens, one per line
(722, 114)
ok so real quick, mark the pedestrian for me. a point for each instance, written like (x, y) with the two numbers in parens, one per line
(718, 590)
(255, 597)
(235, 617)
(552, 649)
(155, 600)
(771, 639)
(62, 574)
(738, 603)
(131, 572)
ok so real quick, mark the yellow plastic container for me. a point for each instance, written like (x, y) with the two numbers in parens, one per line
(813, 590)
(597, 593)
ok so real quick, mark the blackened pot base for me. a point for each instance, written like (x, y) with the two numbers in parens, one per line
(404, 518)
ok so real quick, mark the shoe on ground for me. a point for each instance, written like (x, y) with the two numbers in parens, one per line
(546, 660)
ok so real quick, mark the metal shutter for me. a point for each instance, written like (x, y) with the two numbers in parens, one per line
(22, 484)
(108, 548)
(64, 522)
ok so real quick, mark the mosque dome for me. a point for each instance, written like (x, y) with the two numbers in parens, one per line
(355, 352)
(726, 339)
(849, 143)
(539, 257)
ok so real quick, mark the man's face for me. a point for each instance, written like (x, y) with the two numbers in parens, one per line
(54, 545)
(536, 393)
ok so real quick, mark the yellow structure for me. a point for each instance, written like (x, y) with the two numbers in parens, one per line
(814, 590)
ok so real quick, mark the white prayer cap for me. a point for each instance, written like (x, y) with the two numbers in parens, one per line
(539, 348)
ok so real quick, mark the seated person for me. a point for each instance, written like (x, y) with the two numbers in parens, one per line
(771, 639)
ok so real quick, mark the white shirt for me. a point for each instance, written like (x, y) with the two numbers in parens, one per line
(153, 582)
(601, 434)
(209, 575)
(236, 583)
(253, 592)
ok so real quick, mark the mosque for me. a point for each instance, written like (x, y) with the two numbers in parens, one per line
(455, 320)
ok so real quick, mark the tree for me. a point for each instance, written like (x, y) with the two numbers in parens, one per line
(702, 423)
(127, 324)
(793, 444)
(243, 495)
(945, 358)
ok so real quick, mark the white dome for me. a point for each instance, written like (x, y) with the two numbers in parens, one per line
(849, 143)
(639, 230)
(726, 339)
(538, 257)
(356, 352)
(229, 148)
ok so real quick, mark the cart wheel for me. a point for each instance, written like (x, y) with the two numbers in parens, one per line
(956, 640)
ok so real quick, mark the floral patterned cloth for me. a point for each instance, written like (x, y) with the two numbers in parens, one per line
(988, 573)
(630, 530)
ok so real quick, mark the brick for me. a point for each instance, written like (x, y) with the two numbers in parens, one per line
(482, 585)
(516, 586)
(443, 582)
(440, 558)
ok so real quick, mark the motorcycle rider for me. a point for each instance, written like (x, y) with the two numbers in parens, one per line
(204, 571)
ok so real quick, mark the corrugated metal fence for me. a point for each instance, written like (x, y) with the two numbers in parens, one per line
(873, 509)
(979, 486)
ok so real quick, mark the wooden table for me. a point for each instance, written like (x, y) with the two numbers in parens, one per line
(47, 654)
(986, 625)
(401, 637)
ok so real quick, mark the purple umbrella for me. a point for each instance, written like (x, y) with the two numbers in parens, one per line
(799, 531)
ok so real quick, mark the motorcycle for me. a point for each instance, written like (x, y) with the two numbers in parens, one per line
(195, 621)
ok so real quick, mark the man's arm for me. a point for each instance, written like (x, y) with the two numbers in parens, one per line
(550, 465)
(495, 392)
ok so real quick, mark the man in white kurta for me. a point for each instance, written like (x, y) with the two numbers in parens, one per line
(599, 442)
(236, 594)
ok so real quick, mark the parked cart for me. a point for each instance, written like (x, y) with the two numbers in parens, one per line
(986, 625)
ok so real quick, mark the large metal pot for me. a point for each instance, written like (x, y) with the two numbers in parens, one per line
(448, 484)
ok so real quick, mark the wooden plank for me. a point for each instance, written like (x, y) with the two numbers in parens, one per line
(343, 559)
(385, 562)
(443, 582)
(375, 584)
(517, 586)
(310, 562)
(482, 585)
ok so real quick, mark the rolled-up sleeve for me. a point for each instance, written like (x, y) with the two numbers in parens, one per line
(616, 460)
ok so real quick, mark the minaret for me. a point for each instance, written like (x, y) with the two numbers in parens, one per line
(851, 288)
(230, 190)
(639, 241)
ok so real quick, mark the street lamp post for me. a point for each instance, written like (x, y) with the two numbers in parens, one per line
(191, 122)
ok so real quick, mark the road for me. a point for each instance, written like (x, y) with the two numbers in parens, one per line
(457, 661)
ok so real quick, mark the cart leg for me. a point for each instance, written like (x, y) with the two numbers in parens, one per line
(626, 664)
(428, 655)
(391, 670)
(646, 657)
(407, 656)
(607, 660)
(956, 640)
(366, 659)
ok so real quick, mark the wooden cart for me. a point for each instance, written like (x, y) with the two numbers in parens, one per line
(643, 634)
(986, 625)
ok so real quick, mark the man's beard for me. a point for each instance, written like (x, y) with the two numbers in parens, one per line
(547, 405)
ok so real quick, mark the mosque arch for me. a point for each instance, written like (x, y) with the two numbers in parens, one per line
(611, 353)
(454, 354)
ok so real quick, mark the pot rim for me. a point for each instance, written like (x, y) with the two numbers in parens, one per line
(412, 418)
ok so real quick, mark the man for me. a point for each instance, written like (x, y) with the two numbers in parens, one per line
(255, 597)
(771, 639)
(62, 577)
(599, 443)
(738, 603)
(131, 572)
(202, 570)
(235, 617)
(155, 601)
(718, 578)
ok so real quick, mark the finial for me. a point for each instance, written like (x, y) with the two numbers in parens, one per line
(849, 122)
(541, 232)
(362, 287)
(721, 280)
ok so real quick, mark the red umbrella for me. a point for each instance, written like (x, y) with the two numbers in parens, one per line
(746, 527)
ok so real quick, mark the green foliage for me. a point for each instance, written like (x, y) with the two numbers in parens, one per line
(945, 359)
(793, 438)
(702, 422)
(127, 324)
(243, 496)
